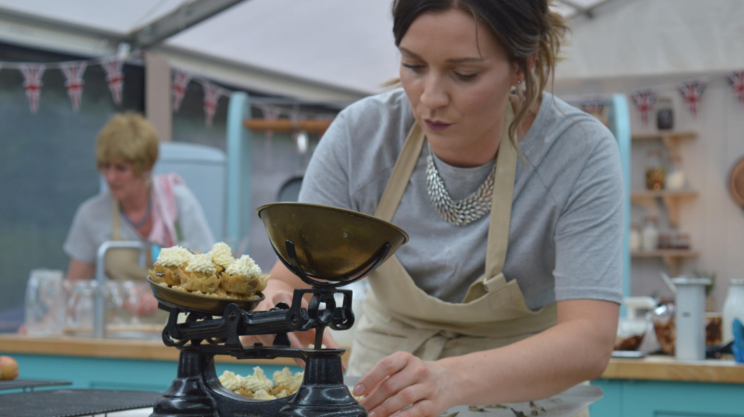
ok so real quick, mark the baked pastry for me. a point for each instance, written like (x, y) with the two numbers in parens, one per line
(170, 265)
(243, 277)
(200, 275)
(221, 256)
(259, 387)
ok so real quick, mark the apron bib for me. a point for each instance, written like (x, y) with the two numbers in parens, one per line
(399, 316)
(123, 265)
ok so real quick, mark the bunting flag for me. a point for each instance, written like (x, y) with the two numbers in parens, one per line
(32, 74)
(270, 113)
(212, 94)
(736, 79)
(594, 106)
(181, 81)
(114, 77)
(692, 94)
(73, 72)
(644, 103)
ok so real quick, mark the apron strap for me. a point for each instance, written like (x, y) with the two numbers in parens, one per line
(501, 203)
(501, 206)
(403, 169)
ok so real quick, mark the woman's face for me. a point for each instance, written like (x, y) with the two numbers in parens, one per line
(122, 180)
(458, 83)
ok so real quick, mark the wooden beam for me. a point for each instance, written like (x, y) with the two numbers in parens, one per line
(286, 125)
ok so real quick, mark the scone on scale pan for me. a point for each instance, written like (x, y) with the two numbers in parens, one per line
(244, 277)
(170, 265)
(200, 275)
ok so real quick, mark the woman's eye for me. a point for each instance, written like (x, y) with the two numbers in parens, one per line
(413, 67)
(466, 76)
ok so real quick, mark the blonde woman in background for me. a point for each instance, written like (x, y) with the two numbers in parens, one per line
(136, 207)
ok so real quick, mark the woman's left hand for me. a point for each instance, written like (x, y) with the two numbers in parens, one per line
(401, 380)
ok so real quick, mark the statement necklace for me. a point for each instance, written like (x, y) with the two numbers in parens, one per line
(465, 211)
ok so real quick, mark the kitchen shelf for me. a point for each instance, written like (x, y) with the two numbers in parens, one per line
(671, 257)
(671, 200)
(670, 139)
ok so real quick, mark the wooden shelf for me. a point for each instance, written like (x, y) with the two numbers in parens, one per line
(671, 200)
(671, 257)
(670, 139)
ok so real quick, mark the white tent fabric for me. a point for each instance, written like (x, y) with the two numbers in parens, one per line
(635, 38)
(341, 43)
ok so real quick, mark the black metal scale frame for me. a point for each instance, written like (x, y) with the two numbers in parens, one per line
(197, 390)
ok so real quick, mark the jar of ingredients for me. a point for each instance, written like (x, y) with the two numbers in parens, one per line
(635, 237)
(681, 241)
(655, 173)
(665, 241)
(650, 234)
(675, 177)
(664, 114)
(733, 308)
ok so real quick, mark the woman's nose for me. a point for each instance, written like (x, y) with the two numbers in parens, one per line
(434, 95)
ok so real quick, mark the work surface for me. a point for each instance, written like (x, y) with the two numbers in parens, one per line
(662, 368)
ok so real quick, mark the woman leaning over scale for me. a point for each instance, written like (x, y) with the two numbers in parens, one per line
(509, 288)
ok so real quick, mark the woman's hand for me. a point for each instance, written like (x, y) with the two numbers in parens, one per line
(279, 292)
(401, 380)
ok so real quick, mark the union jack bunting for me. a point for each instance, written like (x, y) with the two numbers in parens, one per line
(114, 77)
(736, 79)
(212, 94)
(692, 93)
(644, 102)
(181, 81)
(594, 106)
(32, 74)
(270, 113)
(73, 72)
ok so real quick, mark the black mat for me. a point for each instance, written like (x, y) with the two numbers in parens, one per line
(73, 403)
(29, 383)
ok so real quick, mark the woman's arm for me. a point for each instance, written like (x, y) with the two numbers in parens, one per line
(78, 270)
(577, 349)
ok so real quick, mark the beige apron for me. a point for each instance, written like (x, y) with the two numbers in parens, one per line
(123, 264)
(399, 316)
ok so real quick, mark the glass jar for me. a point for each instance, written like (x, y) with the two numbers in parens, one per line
(655, 172)
(675, 177)
(733, 308)
(681, 241)
(46, 301)
(635, 237)
(650, 235)
(664, 114)
(665, 241)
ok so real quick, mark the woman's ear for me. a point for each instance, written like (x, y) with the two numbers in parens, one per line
(518, 74)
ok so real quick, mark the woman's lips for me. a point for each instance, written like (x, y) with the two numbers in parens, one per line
(435, 125)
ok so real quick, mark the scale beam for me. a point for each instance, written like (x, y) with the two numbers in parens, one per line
(179, 20)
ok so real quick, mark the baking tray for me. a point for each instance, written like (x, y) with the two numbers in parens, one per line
(203, 303)
(73, 403)
(30, 383)
(565, 404)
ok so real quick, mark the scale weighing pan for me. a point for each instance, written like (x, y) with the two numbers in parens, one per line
(331, 244)
(202, 303)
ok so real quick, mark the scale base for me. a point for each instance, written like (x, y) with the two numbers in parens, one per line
(197, 392)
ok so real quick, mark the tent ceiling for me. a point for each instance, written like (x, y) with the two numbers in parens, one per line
(343, 43)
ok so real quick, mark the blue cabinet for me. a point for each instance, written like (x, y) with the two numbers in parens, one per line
(124, 374)
(645, 398)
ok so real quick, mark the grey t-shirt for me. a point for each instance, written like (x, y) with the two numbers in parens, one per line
(93, 225)
(565, 236)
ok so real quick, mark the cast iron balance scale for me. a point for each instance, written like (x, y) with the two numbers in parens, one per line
(327, 248)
